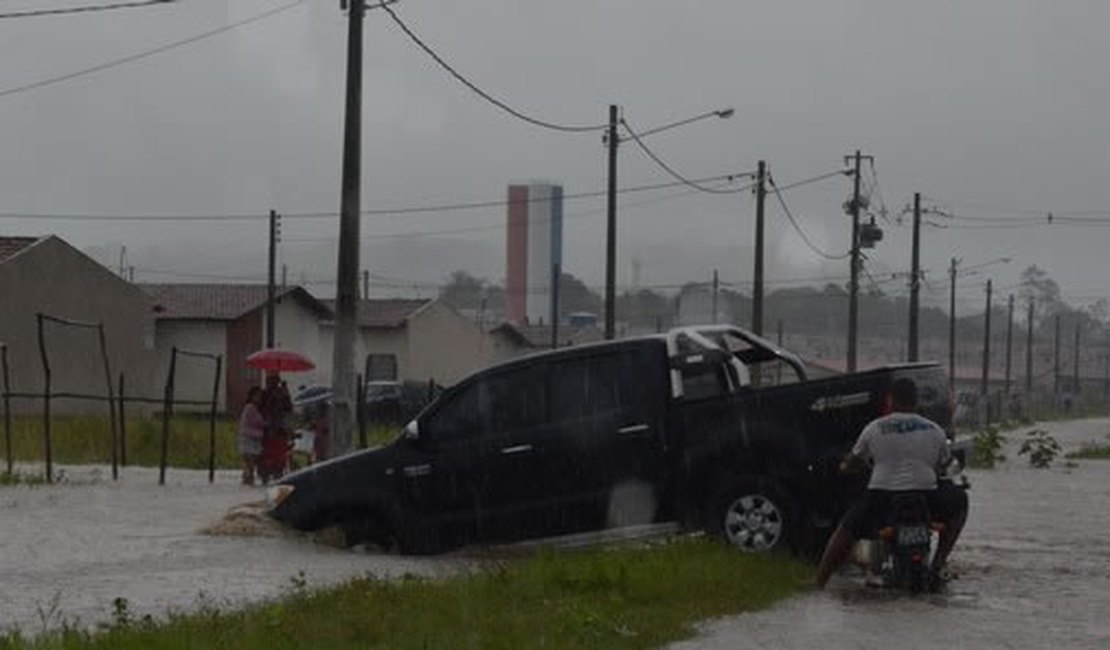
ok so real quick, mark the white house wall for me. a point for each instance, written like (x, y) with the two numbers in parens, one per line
(192, 376)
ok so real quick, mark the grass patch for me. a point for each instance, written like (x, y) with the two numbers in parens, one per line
(81, 440)
(1092, 452)
(638, 597)
(22, 478)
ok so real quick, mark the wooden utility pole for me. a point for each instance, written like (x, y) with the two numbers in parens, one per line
(1075, 369)
(1009, 342)
(952, 323)
(716, 291)
(346, 290)
(611, 227)
(757, 274)
(271, 290)
(987, 356)
(1029, 357)
(1056, 365)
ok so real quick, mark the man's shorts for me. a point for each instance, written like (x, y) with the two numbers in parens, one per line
(872, 510)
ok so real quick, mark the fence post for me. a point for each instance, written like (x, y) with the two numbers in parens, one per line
(167, 408)
(360, 411)
(212, 421)
(7, 407)
(111, 401)
(47, 447)
(122, 425)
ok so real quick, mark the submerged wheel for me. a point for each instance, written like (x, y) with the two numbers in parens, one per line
(755, 517)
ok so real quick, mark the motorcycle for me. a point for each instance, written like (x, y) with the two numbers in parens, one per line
(901, 555)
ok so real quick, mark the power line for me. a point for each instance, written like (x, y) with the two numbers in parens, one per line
(807, 181)
(482, 93)
(85, 9)
(798, 228)
(497, 226)
(426, 209)
(667, 168)
(1012, 210)
(147, 53)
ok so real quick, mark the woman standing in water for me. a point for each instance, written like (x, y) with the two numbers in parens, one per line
(252, 427)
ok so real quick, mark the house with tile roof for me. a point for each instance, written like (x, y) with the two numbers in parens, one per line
(230, 320)
(49, 276)
(416, 340)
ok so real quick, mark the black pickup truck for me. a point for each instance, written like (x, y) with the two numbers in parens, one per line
(712, 427)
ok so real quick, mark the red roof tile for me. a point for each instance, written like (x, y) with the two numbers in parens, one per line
(222, 302)
(9, 246)
(385, 312)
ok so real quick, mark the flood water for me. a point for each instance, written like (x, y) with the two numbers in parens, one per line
(1033, 565)
(1034, 562)
(68, 550)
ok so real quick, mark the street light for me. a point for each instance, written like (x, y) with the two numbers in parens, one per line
(612, 140)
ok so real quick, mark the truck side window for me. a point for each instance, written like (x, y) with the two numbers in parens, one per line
(516, 400)
(585, 387)
(460, 418)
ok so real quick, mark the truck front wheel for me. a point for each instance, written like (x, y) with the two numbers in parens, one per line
(755, 517)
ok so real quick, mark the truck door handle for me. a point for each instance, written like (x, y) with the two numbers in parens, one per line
(417, 470)
(517, 449)
(634, 428)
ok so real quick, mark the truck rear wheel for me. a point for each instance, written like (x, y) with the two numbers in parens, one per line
(755, 517)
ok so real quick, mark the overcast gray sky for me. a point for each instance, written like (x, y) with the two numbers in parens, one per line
(996, 108)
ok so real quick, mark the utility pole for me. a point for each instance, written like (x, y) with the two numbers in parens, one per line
(346, 290)
(1056, 365)
(366, 284)
(987, 356)
(1029, 358)
(915, 278)
(757, 275)
(556, 272)
(952, 323)
(1105, 378)
(611, 227)
(1009, 342)
(853, 286)
(271, 289)
(716, 291)
(1075, 369)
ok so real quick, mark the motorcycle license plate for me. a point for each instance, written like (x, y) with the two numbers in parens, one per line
(913, 536)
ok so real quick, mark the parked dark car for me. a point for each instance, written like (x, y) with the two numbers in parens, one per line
(712, 427)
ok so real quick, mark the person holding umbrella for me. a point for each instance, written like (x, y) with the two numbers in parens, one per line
(276, 405)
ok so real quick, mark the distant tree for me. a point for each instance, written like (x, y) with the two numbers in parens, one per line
(1038, 286)
(575, 296)
(464, 291)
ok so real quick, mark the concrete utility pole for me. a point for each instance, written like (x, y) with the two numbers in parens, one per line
(853, 285)
(346, 290)
(915, 278)
(987, 356)
(611, 141)
(1009, 341)
(271, 291)
(952, 322)
(757, 274)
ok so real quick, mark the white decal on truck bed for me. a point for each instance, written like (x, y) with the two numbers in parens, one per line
(840, 401)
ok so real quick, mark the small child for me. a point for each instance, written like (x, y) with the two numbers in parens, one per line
(252, 427)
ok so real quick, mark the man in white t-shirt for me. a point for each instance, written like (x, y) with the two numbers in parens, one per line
(907, 451)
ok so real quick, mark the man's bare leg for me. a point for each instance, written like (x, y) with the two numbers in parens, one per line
(836, 551)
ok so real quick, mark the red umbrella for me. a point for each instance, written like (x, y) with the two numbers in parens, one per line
(279, 361)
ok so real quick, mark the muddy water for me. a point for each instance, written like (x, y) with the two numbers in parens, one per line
(66, 551)
(1034, 567)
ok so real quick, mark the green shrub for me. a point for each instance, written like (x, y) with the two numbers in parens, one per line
(986, 447)
(1041, 448)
